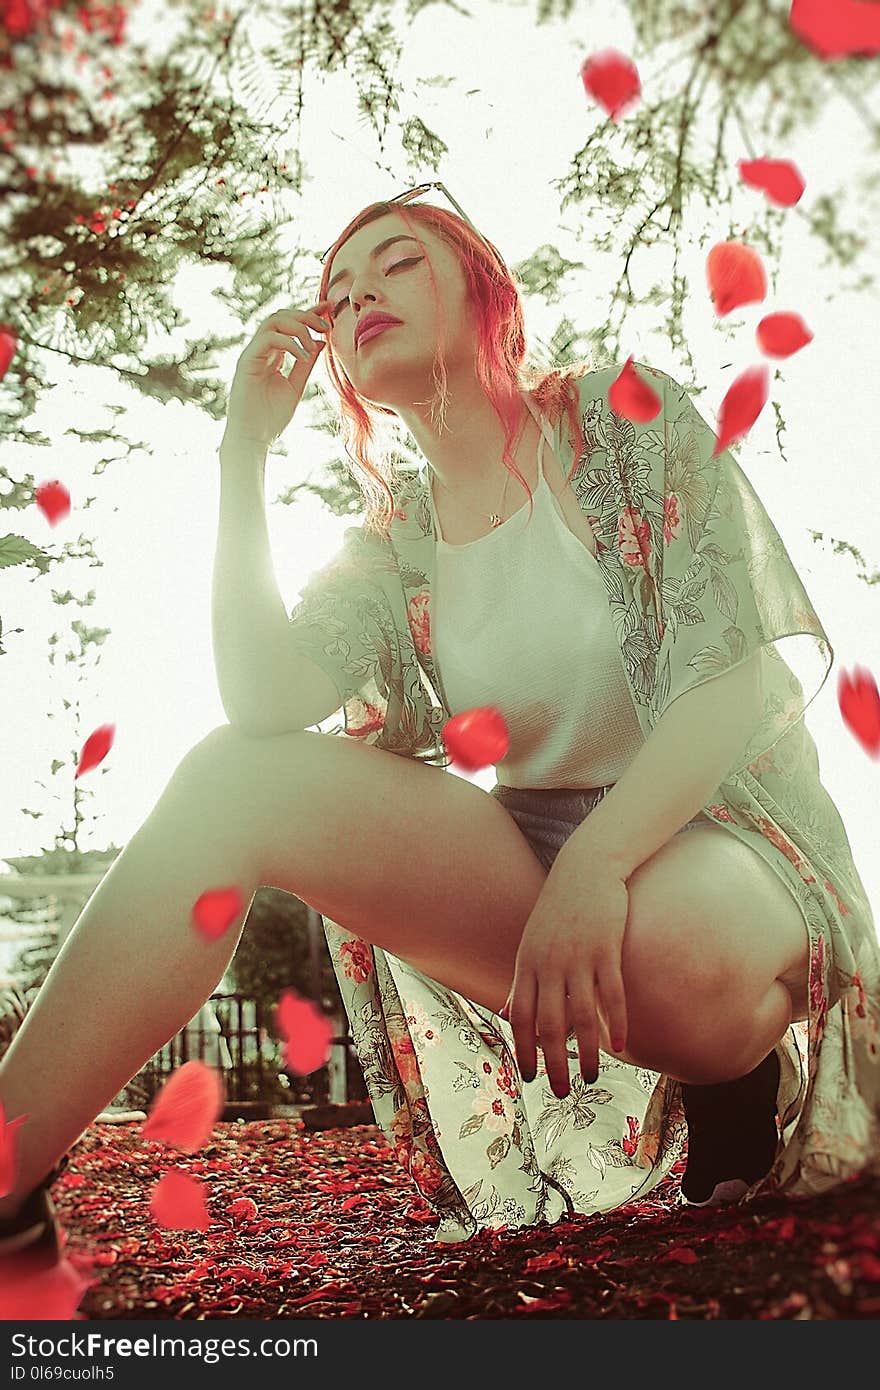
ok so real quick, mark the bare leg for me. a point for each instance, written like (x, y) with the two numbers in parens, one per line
(717, 1049)
(130, 974)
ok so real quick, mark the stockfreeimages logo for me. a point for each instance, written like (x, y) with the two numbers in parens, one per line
(210, 1349)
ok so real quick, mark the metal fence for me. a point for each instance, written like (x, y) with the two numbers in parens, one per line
(229, 1032)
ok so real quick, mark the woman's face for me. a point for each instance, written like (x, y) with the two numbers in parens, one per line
(394, 367)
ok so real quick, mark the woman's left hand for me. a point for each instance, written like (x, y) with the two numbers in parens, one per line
(571, 945)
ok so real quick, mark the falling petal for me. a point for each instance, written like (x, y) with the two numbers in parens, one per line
(8, 349)
(53, 500)
(859, 705)
(8, 1150)
(33, 1292)
(306, 1031)
(216, 910)
(781, 335)
(780, 179)
(741, 406)
(612, 80)
(177, 1202)
(632, 397)
(837, 28)
(735, 276)
(477, 738)
(95, 749)
(186, 1109)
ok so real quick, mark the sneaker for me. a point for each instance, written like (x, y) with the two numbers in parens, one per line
(723, 1194)
(732, 1135)
(33, 1235)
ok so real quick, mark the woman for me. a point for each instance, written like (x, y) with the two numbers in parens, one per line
(624, 618)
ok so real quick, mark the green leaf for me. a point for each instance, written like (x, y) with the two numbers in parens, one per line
(16, 550)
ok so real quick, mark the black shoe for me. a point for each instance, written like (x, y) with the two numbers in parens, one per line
(32, 1235)
(732, 1135)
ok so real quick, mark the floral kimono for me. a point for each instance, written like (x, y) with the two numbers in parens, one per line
(698, 580)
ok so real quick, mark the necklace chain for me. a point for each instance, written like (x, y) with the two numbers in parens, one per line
(494, 518)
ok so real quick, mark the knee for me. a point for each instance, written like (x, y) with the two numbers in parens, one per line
(228, 762)
(220, 763)
(222, 744)
(667, 964)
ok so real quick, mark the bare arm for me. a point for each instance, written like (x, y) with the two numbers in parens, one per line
(265, 686)
(689, 752)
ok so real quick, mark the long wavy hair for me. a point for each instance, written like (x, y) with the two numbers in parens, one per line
(494, 297)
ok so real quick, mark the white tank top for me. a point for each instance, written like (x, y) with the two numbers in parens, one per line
(520, 620)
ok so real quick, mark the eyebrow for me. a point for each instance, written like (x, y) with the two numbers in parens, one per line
(373, 254)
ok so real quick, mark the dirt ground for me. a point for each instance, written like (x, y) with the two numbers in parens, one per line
(327, 1225)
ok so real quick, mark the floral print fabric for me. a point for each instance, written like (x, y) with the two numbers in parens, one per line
(698, 581)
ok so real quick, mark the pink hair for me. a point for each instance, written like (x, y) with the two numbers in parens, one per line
(501, 347)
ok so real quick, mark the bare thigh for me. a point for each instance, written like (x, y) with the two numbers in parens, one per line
(420, 862)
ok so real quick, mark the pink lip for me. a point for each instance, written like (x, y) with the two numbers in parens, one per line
(373, 330)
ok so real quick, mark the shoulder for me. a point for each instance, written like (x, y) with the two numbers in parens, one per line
(597, 382)
(353, 557)
(680, 404)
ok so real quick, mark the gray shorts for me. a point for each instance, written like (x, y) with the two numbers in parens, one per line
(548, 815)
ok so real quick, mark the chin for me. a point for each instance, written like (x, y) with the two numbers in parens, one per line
(396, 385)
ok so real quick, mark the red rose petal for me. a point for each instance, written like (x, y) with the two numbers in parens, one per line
(559, 1298)
(325, 1291)
(477, 738)
(357, 1200)
(53, 500)
(8, 349)
(780, 179)
(177, 1202)
(787, 1229)
(38, 1295)
(306, 1032)
(186, 1109)
(735, 276)
(859, 704)
(741, 406)
(216, 910)
(242, 1209)
(612, 80)
(95, 749)
(632, 397)
(552, 1260)
(680, 1254)
(867, 1265)
(780, 335)
(836, 28)
(8, 1150)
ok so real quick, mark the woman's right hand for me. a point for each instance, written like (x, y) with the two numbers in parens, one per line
(262, 401)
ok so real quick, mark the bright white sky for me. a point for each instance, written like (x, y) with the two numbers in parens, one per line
(155, 517)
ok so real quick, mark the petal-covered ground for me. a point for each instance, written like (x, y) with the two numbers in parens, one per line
(326, 1224)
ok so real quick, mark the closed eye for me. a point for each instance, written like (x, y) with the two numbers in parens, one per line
(411, 260)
